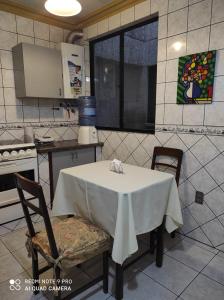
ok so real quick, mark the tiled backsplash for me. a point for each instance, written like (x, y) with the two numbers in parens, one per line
(197, 129)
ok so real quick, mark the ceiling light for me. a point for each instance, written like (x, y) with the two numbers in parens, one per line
(63, 8)
(177, 46)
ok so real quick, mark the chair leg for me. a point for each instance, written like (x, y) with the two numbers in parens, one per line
(119, 282)
(57, 277)
(35, 271)
(152, 242)
(159, 249)
(105, 271)
(173, 234)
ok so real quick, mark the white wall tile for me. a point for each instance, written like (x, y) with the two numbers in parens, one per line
(7, 40)
(127, 16)
(175, 5)
(160, 93)
(2, 102)
(42, 43)
(46, 114)
(56, 34)
(142, 10)
(10, 97)
(159, 114)
(216, 32)
(217, 11)
(31, 114)
(193, 114)
(25, 39)
(161, 72)
(172, 42)
(177, 22)
(1, 83)
(160, 6)
(199, 15)
(172, 70)
(214, 115)
(219, 67)
(162, 30)
(114, 21)
(198, 40)
(41, 30)
(7, 21)
(14, 114)
(193, 1)
(103, 26)
(8, 78)
(92, 31)
(6, 59)
(25, 26)
(2, 114)
(171, 92)
(218, 93)
(173, 114)
(161, 56)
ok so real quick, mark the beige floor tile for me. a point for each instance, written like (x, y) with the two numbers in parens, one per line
(3, 249)
(15, 240)
(21, 256)
(9, 267)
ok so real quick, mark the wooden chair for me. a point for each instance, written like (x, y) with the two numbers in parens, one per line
(65, 244)
(175, 154)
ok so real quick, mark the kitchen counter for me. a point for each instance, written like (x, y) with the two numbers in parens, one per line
(64, 145)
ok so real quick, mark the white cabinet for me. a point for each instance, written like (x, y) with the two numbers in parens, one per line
(73, 70)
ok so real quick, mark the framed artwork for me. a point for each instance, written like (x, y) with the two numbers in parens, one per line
(196, 78)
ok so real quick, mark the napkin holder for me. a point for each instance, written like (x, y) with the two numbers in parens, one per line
(116, 166)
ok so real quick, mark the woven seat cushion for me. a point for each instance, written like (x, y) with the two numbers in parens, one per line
(77, 240)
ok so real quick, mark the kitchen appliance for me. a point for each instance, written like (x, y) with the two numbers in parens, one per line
(21, 158)
(44, 139)
(87, 135)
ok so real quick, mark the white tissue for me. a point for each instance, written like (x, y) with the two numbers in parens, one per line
(116, 166)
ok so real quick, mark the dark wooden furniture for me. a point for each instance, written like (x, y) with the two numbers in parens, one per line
(35, 189)
(54, 149)
(176, 154)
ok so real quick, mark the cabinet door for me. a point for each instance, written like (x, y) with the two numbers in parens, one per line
(68, 159)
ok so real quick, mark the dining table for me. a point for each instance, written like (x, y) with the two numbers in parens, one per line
(127, 204)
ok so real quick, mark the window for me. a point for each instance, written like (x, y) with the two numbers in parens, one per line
(123, 78)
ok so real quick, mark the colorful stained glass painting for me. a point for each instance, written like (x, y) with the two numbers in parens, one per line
(196, 78)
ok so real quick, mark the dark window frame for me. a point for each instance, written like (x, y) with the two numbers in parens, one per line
(121, 33)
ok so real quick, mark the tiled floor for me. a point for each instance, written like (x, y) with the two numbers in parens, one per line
(191, 271)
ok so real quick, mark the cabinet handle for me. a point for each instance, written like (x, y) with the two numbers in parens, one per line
(74, 156)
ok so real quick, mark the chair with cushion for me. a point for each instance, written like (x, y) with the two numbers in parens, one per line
(64, 244)
(174, 165)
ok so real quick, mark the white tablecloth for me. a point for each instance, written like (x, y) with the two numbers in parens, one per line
(124, 205)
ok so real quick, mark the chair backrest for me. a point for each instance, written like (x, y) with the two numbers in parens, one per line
(35, 189)
(168, 152)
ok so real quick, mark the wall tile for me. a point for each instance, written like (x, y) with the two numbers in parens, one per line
(42, 43)
(7, 21)
(214, 114)
(172, 70)
(31, 114)
(25, 26)
(177, 22)
(46, 114)
(159, 114)
(199, 15)
(160, 6)
(215, 202)
(2, 102)
(56, 34)
(202, 181)
(2, 114)
(103, 26)
(14, 114)
(142, 10)
(8, 78)
(6, 59)
(216, 169)
(176, 46)
(1, 83)
(217, 11)
(193, 1)
(41, 30)
(216, 32)
(193, 115)
(25, 39)
(162, 30)
(175, 5)
(10, 97)
(92, 31)
(161, 72)
(127, 16)
(160, 93)
(219, 67)
(218, 94)
(173, 114)
(198, 40)
(161, 56)
(171, 92)
(114, 21)
(7, 40)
